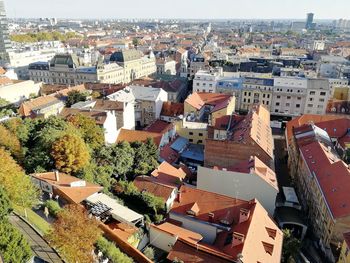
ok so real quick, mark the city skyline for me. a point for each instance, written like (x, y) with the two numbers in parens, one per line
(269, 9)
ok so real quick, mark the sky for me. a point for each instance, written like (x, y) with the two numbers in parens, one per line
(196, 9)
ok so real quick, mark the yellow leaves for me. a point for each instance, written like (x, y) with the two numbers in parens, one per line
(70, 153)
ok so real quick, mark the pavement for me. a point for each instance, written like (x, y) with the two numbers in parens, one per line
(38, 245)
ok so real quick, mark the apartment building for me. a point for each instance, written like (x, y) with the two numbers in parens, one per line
(322, 182)
(217, 228)
(148, 102)
(206, 80)
(233, 139)
(255, 91)
(289, 96)
(318, 94)
(166, 66)
(256, 178)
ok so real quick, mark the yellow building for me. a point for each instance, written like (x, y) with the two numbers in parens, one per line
(344, 256)
(341, 93)
(200, 110)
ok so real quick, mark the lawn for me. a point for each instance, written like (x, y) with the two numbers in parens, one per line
(34, 219)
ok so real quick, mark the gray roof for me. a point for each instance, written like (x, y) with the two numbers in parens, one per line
(126, 55)
(71, 60)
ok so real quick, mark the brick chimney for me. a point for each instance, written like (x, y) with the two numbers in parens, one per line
(57, 176)
(243, 215)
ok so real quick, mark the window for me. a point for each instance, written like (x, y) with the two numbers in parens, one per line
(191, 140)
(200, 141)
(190, 133)
(277, 103)
(288, 97)
(287, 104)
(310, 105)
(321, 100)
(312, 93)
(278, 97)
(297, 105)
(311, 99)
(299, 98)
(323, 93)
(200, 134)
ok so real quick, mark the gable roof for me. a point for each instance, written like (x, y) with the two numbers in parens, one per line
(98, 116)
(305, 119)
(159, 126)
(167, 174)
(172, 109)
(138, 136)
(332, 175)
(27, 107)
(74, 194)
(145, 183)
(198, 99)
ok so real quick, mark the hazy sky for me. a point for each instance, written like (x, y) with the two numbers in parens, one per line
(211, 9)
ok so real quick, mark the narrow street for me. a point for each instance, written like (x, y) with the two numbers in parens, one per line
(38, 245)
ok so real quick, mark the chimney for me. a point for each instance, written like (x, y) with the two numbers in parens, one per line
(211, 217)
(179, 196)
(243, 215)
(238, 239)
(57, 176)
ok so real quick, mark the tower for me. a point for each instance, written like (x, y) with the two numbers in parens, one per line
(309, 20)
(184, 68)
(5, 43)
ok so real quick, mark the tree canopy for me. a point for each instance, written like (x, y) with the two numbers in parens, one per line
(43, 36)
(291, 245)
(70, 153)
(10, 142)
(74, 234)
(92, 134)
(75, 96)
(13, 246)
(17, 185)
(5, 204)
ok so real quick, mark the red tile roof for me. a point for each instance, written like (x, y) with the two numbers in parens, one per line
(168, 174)
(247, 219)
(159, 126)
(138, 136)
(305, 119)
(145, 183)
(198, 99)
(172, 109)
(98, 116)
(332, 175)
(73, 194)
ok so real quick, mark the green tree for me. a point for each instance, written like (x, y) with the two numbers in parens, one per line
(73, 226)
(146, 155)
(119, 156)
(75, 96)
(135, 42)
(92, 134)
(5, 204)
(291, 245)
(149, 253)
(9, 141)
(13, 246)
(53, 207)
(42, 134)
(17, 185)
(101, 175)
(112, 252)
(70, 153)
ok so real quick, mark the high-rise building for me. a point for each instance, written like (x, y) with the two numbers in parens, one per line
(309, 20)
(5, 43)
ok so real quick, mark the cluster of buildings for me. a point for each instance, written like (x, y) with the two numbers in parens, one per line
(209, 100)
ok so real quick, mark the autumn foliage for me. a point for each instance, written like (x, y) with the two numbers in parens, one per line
(74, 234)
(70, 153)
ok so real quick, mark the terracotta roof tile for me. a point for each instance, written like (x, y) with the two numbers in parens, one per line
(168, 174)
(138, 136)
(172, 109)
(145, 183)
(199, 99)
(159, 126)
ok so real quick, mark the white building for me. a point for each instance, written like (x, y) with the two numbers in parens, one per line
(166, 67)
(289, 96)
(249, 179)
(19, 91)
(318, 94)
(206, 80)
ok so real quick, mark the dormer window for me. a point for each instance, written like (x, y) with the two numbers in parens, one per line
(271, 232)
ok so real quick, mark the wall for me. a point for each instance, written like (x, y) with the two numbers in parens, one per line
(110, 128)
(228, 153)
(237, 185)
(205, 229)
(161, 239)
(18, 92)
